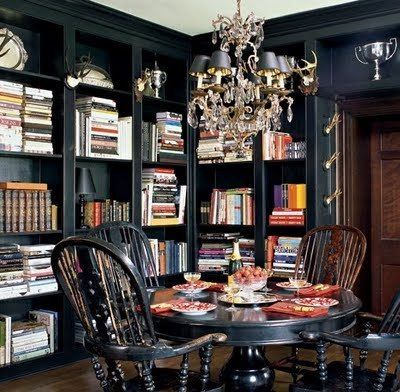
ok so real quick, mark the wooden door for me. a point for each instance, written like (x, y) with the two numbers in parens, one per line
(385, 213)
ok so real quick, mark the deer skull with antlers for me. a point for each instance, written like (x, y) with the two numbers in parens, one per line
(308, 73)
(73, 77)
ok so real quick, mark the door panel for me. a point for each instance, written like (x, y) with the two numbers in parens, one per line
(385, 213)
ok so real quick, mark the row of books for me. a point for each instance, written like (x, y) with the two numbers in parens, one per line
(25, 118)
(216, 249)
(170, 256)
(98, 130)
(232, 207)
(216, 147)
(280, 145)
(163, 141)
(281, 253)
(25, 270)
(33, 338)
(290, 196)
(100, 211)
(26, 207)
(163, 200)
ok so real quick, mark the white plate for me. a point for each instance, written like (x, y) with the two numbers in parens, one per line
(178, 308)
(189, 291)
(289, 287)
(306, 302)
(14, 53)
(257, 299)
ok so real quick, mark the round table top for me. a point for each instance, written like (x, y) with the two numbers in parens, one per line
(249, 326)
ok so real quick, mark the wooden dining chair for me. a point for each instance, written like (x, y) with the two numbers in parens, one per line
(344, 376)
(109, 296)
(131, 240)
(333, 255)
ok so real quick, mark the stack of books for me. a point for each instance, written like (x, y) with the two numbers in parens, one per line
(217, 248)
(125, 138)
(36, 120)
(10, 116)
(26, 207)
(232, 207)
(163, 201)
(287, 217)
(100, 211)
(247, 250)
(99, 132)
(170, 256)
(285, 253)
(12, 283)
(211, 146)
(171, 145)
(275, 145)
(37, 269)
(296, 150)
(289, 205)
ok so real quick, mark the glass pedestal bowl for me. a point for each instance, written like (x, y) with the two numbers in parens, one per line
(249, 285)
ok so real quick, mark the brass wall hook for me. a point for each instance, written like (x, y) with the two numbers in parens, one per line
(335, 120)
(328, 163)
(328, 199)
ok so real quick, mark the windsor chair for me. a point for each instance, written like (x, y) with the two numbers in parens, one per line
(344, 376)
(333, 255)
(131, 240)
(109, 296)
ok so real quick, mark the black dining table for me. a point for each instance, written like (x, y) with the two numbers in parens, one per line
(249, 330)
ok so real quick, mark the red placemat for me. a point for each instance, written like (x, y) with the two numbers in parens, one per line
(318, 290)
(295, 310)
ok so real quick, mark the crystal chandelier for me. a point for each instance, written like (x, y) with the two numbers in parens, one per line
(244, 99)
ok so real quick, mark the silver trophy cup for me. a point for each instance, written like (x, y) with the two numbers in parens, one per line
(158, 78)
(376, 53)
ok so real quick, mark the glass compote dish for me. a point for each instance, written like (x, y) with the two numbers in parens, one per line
(250, 279)
(191, 278)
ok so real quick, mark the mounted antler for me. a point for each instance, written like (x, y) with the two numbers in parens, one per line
(335, 120)
(308, 73)
(73, 77)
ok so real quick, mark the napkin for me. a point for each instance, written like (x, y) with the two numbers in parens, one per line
(217, 287)
(318, 290)
(295, 310)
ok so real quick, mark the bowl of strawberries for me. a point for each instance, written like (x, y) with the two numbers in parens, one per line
(251, 279)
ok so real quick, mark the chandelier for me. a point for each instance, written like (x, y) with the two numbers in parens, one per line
(246, 98)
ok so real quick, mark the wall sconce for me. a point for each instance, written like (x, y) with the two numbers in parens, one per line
(328, 163)
(335, 120)
(328, 199)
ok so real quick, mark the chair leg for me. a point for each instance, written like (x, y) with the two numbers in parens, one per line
(148, 381)
(205, 360)
(382, 371)
(364, 353)
(349, 369)
(295, 366)
(321, 362)
(396, 383)
(99, 372)
(184, 373)
(115, 375)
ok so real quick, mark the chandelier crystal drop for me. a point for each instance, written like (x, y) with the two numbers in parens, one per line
(246, 98)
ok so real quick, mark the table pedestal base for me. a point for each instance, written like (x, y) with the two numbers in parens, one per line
(247, 370)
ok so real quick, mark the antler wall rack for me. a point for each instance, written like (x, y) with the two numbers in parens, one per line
(328, 199)
(335, 120)
(328, 163)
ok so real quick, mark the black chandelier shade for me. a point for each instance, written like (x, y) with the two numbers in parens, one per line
(84, 182)
(255, 79)
(200, 65)
(219, 62)
(284, 65)
(267, 64)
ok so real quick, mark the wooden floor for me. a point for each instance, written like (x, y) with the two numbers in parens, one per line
(78, 377)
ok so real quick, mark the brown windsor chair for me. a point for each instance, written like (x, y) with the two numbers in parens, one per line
(344, 376)
(108, 295)
(333, 255)
(131, 240)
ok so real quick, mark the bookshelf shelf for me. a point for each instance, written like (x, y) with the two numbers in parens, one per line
(225, 164)
(25, 76)
(33, 296)
(27, 233)
(98, 90)
(102, 160)
(276, 161)
(207, 225)
(162, 102)
(28, 155)
(163, 226)
(162, 164)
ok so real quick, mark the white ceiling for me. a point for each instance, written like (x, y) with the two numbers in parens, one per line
(194, 16)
